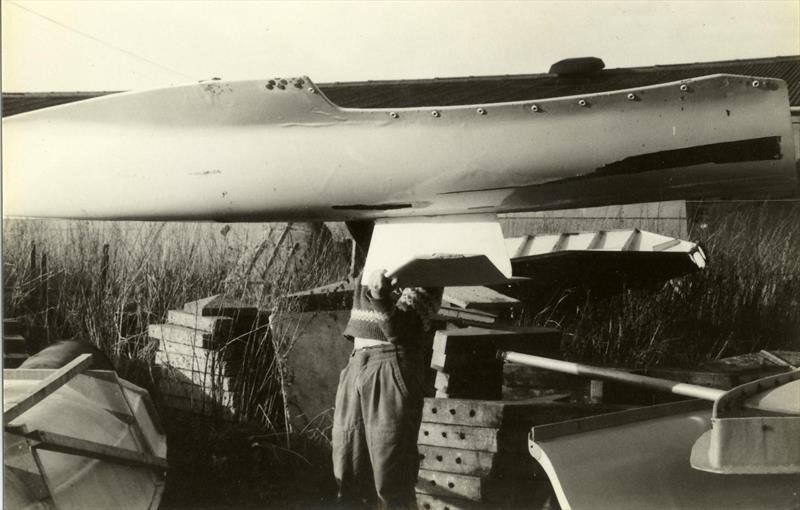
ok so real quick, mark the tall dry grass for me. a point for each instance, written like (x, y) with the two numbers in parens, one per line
(746, 299)
(104, 282)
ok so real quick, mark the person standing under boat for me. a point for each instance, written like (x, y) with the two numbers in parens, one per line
(379, 399)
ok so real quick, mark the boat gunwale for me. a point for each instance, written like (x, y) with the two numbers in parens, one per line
(313, 89)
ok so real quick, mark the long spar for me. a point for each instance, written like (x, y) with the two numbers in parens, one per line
(608, 374)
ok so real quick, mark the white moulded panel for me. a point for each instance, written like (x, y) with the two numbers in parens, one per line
(645, 464)
(473, 244)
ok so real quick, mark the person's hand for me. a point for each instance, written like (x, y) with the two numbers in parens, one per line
(379, 284)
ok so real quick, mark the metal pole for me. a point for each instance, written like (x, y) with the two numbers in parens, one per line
(687, 390)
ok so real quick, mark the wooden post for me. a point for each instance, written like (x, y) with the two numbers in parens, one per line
(361, 233)
(596, 391)
(104, 269)
(33, 257)
(275, 250)
(353, 259)
(44, 294)
(32, 299)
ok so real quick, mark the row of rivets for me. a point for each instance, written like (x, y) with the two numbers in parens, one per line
(633, 97)
(684, 87)
(437, 114)
(581, 102)
(281, 84)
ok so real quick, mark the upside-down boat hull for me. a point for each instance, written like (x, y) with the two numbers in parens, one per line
(279, 150)
(45, 458)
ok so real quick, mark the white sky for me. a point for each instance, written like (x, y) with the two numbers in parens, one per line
(358, 40)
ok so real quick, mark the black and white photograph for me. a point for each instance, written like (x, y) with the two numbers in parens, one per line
(400, 255)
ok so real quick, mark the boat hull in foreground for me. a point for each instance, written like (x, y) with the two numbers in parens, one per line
(643, 462)
(94, 442)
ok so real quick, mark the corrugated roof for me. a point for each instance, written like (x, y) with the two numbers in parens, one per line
(490, 89)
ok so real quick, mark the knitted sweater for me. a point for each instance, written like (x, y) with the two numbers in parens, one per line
(400, 320)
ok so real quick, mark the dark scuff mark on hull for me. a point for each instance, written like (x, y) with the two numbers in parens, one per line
(375, 207)
(746, 169)
(754, 149)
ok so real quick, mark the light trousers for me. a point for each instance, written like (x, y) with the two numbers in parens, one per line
(375, 426)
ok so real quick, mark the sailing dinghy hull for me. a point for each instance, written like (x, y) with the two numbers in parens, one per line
(94, 442)
(271, 150)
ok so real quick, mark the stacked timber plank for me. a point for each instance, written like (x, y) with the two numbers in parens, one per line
(15, 348)
(477, 306)
(200, 351)
(474, 454)
(465, 361)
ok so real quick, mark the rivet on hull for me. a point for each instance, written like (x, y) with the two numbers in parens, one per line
(684, 87)
(534, 107)
(435, 113)
(481, 111)
(756, 83)
(582, 102)
(631, 97)
(393, 115)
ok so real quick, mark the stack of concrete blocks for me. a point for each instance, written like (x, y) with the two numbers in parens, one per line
(201, 352)
(474, 453)
(477, 306)
(466, 363)
(473, 448)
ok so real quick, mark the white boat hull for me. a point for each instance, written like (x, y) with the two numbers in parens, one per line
(644, 463)
(262, 150)
(92, 407)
